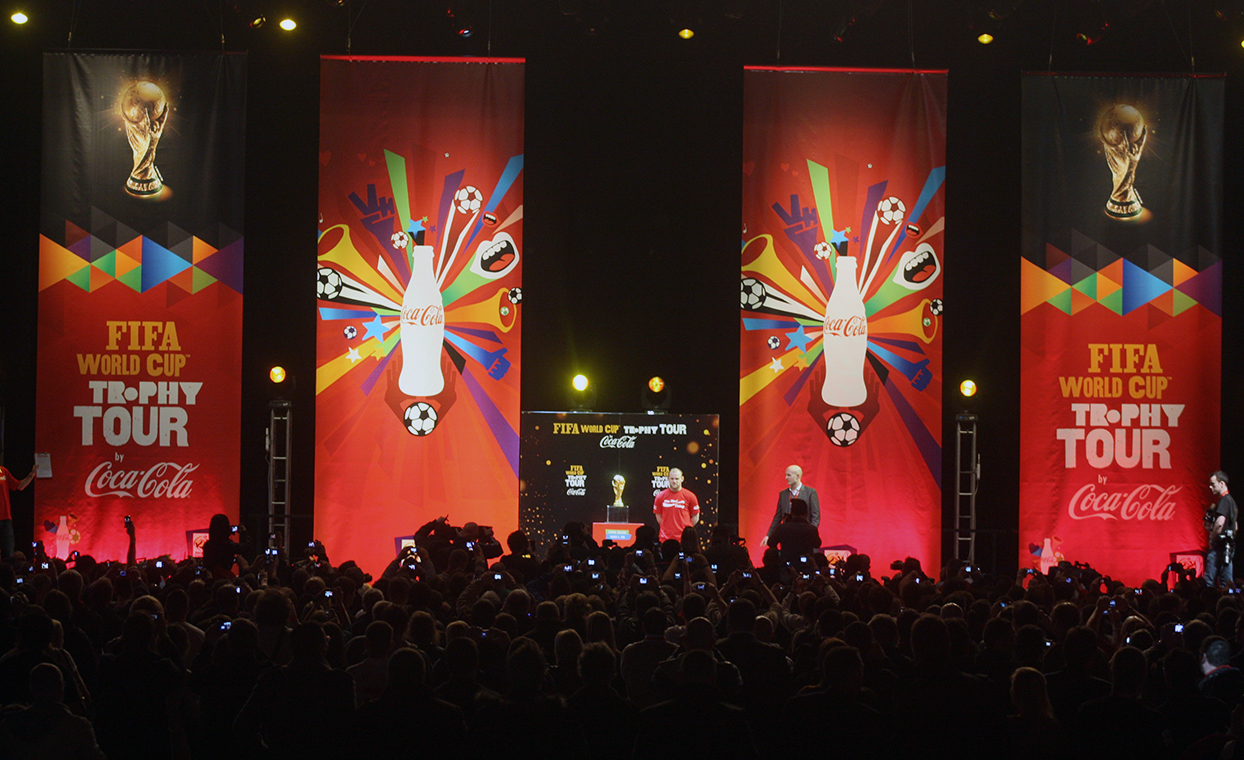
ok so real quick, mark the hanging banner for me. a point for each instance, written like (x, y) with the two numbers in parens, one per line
(419, 274)
(140, 299)
(841, 297)
(1121, 323)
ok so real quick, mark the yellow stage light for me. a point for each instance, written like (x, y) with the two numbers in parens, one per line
(686, 33)
(579, 383)
(288, 24)
(985, 38)
(277, 374)
(656, 385)
(19, 18)
(967, 388)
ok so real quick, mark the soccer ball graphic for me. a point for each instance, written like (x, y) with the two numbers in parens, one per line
(420, 418)
(935, 306)
(751, 293)
(515, 295)
(843, 429)
(400, 240)
(350, 332)
(891, 210)
(468, 199)
(328, 283)
(774, 342)
(823, 250)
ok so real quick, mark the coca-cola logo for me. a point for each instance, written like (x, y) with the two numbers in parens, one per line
(847, 327)
(162, 480)
(617, 442)
(424, 315)
(1143, 502)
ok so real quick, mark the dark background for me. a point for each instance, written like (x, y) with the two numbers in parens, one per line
(632, 187)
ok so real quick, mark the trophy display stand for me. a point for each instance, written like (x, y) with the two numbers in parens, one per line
(617, 532)
(616, 527)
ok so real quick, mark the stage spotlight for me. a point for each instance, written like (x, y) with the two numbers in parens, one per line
(19, 18)
(277, 374)
(985, 38)
(258, 21)
(656, 395)
(967, 388)
(288, 24)
(686, 33)
(582, 394)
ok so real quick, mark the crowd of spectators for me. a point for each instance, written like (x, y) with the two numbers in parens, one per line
(673, 650)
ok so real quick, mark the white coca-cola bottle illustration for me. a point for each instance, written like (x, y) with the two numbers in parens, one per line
(62, 538)
(423, 329)
(845, 339)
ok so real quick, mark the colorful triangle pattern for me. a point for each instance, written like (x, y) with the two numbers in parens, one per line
(1091, 274)
(112, 252)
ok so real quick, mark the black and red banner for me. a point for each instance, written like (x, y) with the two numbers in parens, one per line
(1121, 324)
(140, 298)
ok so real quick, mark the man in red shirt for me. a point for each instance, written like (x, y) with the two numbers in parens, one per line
(676, 508)
(8, 482)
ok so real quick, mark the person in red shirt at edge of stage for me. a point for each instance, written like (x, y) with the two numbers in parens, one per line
(9, 482)
(676, 508)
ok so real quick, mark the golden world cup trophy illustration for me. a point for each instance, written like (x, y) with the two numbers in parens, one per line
(617, 512)
(1122, 131)
(145, 110)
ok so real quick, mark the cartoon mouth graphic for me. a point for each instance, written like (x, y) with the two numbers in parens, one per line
(917, 268)
(497, 256)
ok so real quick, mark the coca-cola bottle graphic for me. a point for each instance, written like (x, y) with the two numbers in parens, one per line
(62, 538)
(423, 329)
(845, 339)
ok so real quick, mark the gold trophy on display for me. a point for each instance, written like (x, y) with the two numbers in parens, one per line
(145, 110)
(617, 512)
(1122, 131)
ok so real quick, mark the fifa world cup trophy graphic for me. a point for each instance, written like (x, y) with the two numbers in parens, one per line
(1122, 131)
(145, 110)
(617, 512)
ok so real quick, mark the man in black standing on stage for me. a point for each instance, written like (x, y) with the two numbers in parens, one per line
(795, 489)
(1219, 567)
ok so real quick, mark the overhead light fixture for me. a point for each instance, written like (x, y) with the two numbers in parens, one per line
(1003, 8)
(19, 18)
(288, 24)
(462, 14)
(967, 388)
(258, 21)
(985, 38)
(686, 33)
(277, 374)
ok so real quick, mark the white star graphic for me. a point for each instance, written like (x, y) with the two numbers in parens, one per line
(353, 355)
(776, 366)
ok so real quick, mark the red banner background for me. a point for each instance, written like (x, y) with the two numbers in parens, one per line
(842, 163)
(1121, 324)
(140, 306)
(401, 139)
